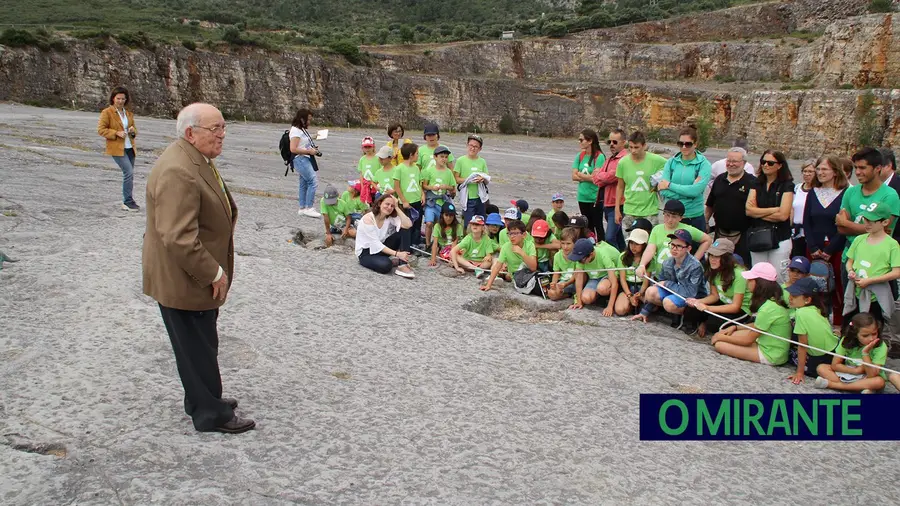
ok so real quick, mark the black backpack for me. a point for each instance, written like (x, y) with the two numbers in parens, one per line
(284, 145)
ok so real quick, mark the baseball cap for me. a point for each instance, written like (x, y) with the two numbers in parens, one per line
(674, 207)
(642, 224)
(494, 219)
(385, 152)
(639, 236)
(476, 138)
(331, 195)
(368, 142)
(522, 205)
(876, 212)
(579, 221)
(738, 260)
(448, 208)
(557, 196)
(803, 286)
(431, 129)
(582, 249)
(477, 220)
(682, 235)
(720, 247)
(512, 214)
(540, 228)
(441, 150)
(762, 270)
(799, 263)
(355, 184)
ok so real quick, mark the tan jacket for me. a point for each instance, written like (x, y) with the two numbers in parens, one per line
(190, 230)
(108, 125)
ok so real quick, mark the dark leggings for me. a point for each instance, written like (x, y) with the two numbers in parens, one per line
(594, 215)
(381, 262)
(415, 231)
(714, 323)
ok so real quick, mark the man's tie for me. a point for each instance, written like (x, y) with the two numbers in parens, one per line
(219, 179)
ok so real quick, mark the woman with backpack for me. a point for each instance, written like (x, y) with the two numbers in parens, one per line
(305, 149)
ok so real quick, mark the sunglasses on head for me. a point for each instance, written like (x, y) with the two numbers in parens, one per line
(770, 163)
(688, 144)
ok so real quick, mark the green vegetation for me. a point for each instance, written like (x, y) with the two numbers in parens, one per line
(705, 124)
(868, 133)
(880, 6)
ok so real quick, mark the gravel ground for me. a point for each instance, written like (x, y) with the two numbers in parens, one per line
(367, 389)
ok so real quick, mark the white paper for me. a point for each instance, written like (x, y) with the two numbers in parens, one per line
(322, 134)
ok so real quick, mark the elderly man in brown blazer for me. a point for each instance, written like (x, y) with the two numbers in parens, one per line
(188, 260)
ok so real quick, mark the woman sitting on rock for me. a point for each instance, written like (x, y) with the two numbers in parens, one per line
(381, 238)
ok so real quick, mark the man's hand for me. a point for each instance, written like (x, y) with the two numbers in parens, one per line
(329, 239)
(220, 287)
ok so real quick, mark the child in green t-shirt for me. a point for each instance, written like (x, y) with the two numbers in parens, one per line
(873, 260)
(475, 252)
(562, 283)
(408, 189)
(559, 221)
(333, 215)
(729, 293)
(811, 328)
(863, 346)
(633, 287)
(447, 234)
(368, 164)
(494, 224)
(514, 255)
(592, 259)
(384, 177)
(545, 244)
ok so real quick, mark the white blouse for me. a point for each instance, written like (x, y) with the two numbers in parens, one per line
(369, 236)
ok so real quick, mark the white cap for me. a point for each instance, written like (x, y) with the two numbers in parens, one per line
(385, 152)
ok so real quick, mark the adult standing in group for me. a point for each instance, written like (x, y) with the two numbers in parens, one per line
(685, 177)
(719, 167)
(305, 163)
(395, 133)
(116, 125)
(823, 242)
(635, 196)
(769, 204)
(188, 260)
(801, 190)
(728, 199)
(586, 162)
(606, 181)
(471, 170)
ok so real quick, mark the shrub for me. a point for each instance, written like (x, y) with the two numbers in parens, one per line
(18, 38)
(869, 133)
(348, 50)
(555, 29)
(189, 45)
(507, 125)
(880, 6)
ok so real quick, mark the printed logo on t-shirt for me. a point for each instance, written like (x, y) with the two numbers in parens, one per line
(368, 175)
(640, 184)
(413, 186)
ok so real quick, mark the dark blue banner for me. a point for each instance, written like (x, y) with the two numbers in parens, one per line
(775, 417)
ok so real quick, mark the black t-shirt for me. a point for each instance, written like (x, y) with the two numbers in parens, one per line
(728, 201)
(771, 197)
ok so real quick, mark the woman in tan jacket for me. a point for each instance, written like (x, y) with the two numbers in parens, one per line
(116, 125)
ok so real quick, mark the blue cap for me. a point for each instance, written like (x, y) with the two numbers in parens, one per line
(494, 219)
(556, 197)
(583, 248)
(804, 286)
(431, 129)
(800, 263)
(682, 235)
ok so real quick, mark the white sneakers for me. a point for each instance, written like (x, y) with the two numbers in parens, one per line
(405, 272)
(309, 212)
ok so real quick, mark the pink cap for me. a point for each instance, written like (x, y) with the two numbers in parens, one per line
(368, 142)
(762, 270)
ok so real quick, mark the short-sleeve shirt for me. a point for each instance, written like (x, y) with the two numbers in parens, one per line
(640, 200)
(808, 320)
(512, 260)
(873, 260)
(739, 285)
(773, 318)
(384, 179)
(878, 356)
(475, 251)
(367, 167)
(564, 265)
(305, 141)
(854, 202)
(768, 196)
(353, 204)
(630, 276)
(605, 257)
(410, 181)
(465, 167)
(333, 211)
(444, 236)
(432, 176)
(729, 200)
(426, 157)
(660, 237)
(587, 190)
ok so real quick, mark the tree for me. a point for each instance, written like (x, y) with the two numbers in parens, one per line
(406, 34)
(555, 29)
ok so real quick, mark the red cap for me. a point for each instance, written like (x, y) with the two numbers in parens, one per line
(540, 228)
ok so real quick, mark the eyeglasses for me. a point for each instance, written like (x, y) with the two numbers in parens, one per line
(611, 142)
(668, 214)
(677, 246)
(213, 130)
(770, 163)
(473, 137)
(687, 144)
(513, 233)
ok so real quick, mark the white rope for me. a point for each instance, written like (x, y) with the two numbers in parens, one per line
(739, 324)
(594, 270)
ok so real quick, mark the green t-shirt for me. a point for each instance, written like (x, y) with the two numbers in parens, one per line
(640, 200)
(465, 167)
(808, 320)
(873, 260)
(543, 254)
(512, 260)
(367, 167)
(587, 191)
(475, 251)
(503, 238)
(426, 157)
(659, 237)
(353, 204)
(410, 182)
(739, 285)
(333, 211)
(444, 236)
(605, 257)
(773, 318)
(433, 176)
(564, 265)
(878, 356)
(384, 179)
(854, 202)
(630, 276)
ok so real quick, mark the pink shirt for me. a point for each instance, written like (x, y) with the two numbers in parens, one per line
(605, 178)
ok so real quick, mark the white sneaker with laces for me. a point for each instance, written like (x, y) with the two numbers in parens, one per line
(312, 213)
(301, 211)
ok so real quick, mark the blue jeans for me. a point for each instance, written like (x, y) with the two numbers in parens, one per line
(309, 181)
(698, 222)
(473, 207)
(126, 163)
(613, 231)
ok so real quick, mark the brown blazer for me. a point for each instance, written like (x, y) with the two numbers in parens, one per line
(108, 125)
(190, 230)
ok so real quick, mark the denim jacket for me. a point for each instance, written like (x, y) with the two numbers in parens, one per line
(686, 280)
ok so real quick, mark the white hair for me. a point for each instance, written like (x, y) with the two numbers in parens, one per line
(188, 117)
(740, 151)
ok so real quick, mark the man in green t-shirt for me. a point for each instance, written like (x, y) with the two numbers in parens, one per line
(869, 191)
(634, 189)
(467, 166)
(588, 285)
(514, 255)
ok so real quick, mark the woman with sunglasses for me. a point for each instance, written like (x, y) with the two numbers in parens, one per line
(685, 178)
(769, 203)
(590, 158)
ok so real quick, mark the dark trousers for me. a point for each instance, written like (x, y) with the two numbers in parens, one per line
(415, 231)
(716, 322)
(698, 222)
(381, 262)
(474, 207)
(613, 231)
(195, 342)
(594, 214)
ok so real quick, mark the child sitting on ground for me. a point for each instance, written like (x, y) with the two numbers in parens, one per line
(873, 260)
(544, 242)
(510, 215)
(594, 260)
(447, 234)
(562, 283)
(333, 215)
(495, 224)
(811, 327)
(514, 255)
(657, 251)
(633, 287)
(522, 206)
(580, 223)
(681, 274)
(863, 346)
(797, 269)
(729, 297)
(475, 251)
(771, 317)
(560, 222)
